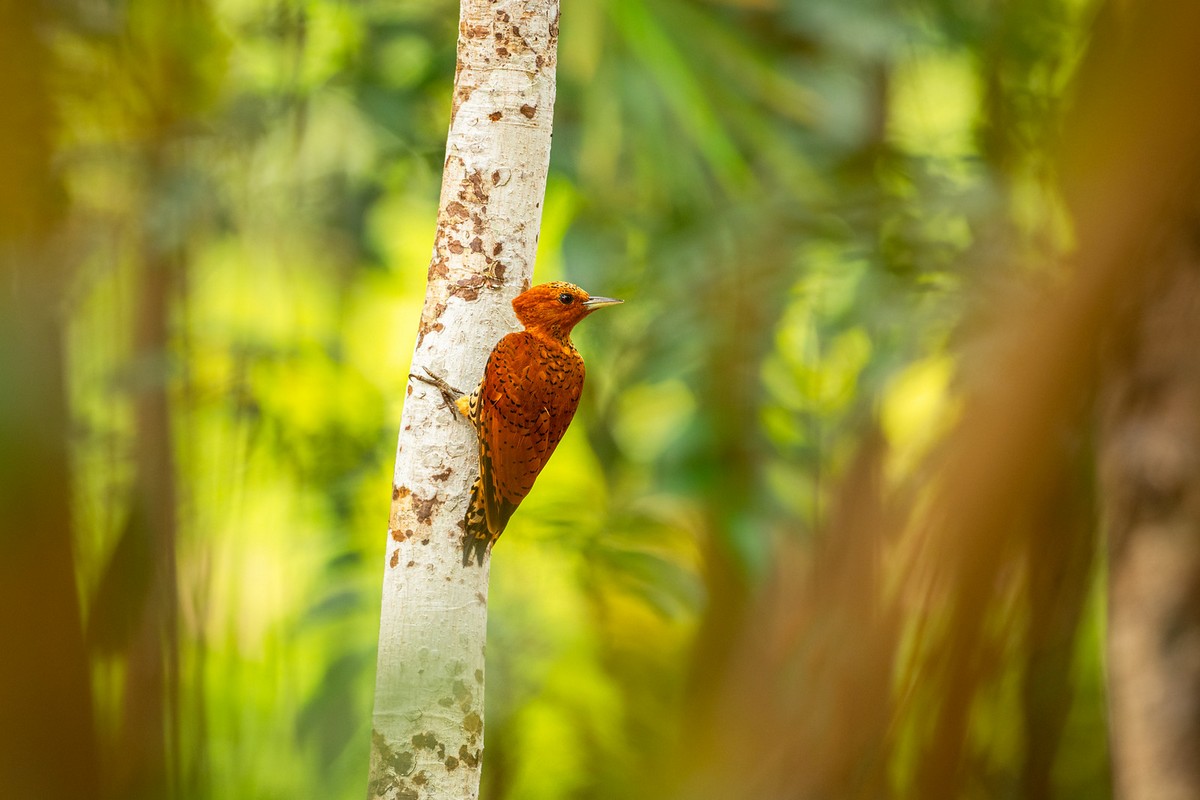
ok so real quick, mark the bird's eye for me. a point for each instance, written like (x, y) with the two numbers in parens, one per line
(566, 299)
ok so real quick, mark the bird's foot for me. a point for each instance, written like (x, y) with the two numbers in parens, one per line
(450, 395)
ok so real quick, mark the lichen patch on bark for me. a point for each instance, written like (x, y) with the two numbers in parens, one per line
(424, 508)
(429, 741)
(468, 757)
(389, 767)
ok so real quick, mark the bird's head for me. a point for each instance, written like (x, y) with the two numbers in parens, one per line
(556, 307)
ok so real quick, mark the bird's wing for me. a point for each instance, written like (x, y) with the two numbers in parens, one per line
(527, 399)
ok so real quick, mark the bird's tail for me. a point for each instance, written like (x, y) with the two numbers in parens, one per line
(478, 538)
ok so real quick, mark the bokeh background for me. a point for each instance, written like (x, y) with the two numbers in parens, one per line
(730, 581)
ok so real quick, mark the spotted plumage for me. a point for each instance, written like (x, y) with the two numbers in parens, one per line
(522, 407)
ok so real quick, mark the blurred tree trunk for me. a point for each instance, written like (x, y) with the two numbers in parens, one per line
(427, 736)
(1150, 470)
(143, 756)
(47, 740)
(172, 53)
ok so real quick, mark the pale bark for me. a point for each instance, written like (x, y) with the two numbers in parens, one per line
(427, 738)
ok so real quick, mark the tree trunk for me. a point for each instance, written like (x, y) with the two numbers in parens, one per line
(427, 738)
(146, 749)
(1150, 468)
(47, 742)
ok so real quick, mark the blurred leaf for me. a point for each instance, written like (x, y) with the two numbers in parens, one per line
(330, 717)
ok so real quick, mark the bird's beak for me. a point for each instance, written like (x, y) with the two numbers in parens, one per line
(599, 302)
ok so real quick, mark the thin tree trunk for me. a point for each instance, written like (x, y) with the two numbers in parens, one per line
(1150, 470)
(147, 743)
(427, 737)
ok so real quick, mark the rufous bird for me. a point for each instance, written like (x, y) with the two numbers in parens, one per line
(522, 407)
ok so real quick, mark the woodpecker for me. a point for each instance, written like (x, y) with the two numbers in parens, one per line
(522, 407)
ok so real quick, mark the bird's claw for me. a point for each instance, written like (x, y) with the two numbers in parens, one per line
(449, 394)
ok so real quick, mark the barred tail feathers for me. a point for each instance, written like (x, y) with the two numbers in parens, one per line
(477, 538)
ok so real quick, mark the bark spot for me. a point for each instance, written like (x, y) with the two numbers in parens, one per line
(411, 564)
(495, 116)
(496, 248)
(468, 288)
(479, 677)
(427, 741)
(455, 247)
(430, 317)
(474, 190)
(502, 51)
(477, 245)
(443, 475)
(473, 723)
(396, 765)
(425, 508)
(451, 763)
(457, 209)
(467, 757)
(460, 95)
(421, 778)
(528, 111)
(395, 558)
(400, 491)
(436, 327)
